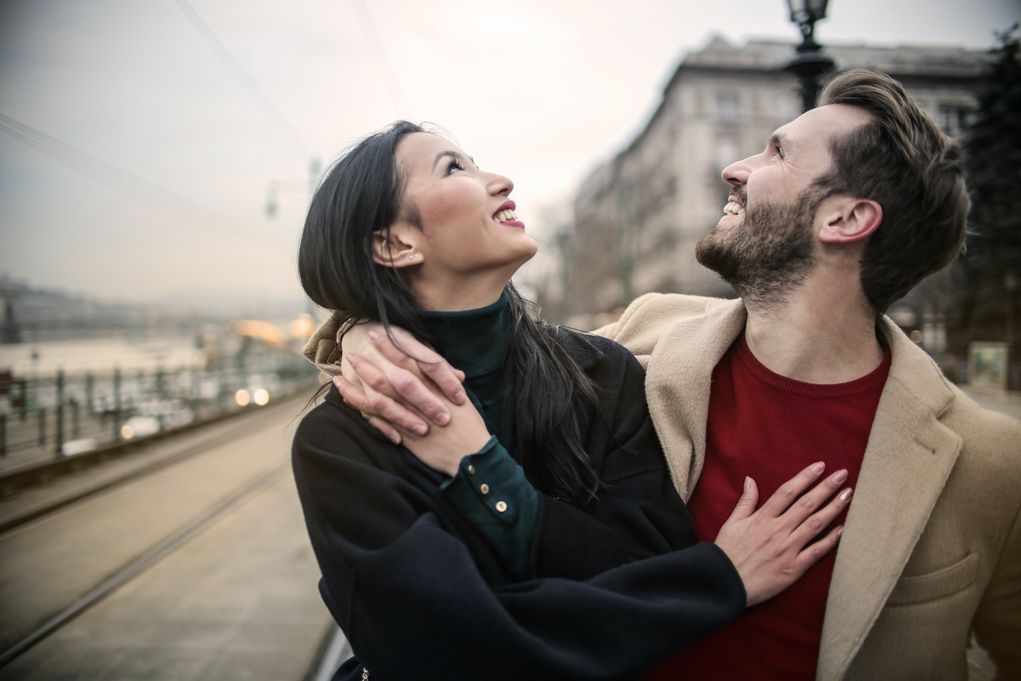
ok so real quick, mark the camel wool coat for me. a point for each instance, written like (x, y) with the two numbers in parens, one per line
(931, 550)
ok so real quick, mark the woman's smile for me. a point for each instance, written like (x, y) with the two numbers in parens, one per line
(506, 215)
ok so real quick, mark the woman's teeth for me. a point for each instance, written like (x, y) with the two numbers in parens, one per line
(733, 208)
(505, 216)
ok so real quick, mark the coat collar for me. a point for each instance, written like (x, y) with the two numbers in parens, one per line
(909, 456)
(907, 461)
(677, 385)
(322, 347)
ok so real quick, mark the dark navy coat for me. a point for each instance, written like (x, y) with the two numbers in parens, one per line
(420, 594)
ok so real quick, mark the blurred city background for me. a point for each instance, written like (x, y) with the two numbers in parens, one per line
(156, 162)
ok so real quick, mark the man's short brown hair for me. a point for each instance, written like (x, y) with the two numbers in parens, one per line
(902, 160)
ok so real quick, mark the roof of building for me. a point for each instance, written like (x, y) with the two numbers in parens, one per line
(770, 56)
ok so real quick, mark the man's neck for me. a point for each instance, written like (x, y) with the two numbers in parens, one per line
(819, 334)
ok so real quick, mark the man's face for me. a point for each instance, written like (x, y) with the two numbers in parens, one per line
(764, 245)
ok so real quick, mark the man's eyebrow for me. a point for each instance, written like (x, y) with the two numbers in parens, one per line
(778, 140)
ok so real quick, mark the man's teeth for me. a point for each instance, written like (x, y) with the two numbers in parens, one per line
(505, 216)
(733, 208)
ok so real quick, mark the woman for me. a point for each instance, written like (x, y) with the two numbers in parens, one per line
(428, 569)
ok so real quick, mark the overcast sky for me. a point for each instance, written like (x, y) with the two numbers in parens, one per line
(156, 126)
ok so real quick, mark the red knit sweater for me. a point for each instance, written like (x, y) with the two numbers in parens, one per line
(769, 427)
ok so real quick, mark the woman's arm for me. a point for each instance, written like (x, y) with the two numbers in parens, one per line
(409, 595)
(595, 535)
(636, 513)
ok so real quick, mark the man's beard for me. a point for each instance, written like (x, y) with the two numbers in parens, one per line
(769, 254)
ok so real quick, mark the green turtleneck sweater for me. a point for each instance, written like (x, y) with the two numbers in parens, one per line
(490, 488)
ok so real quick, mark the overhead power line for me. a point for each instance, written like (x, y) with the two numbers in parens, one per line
(121, 181)
(393, 83)
(246, 82)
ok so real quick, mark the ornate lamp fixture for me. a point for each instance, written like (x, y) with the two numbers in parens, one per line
(810, 63)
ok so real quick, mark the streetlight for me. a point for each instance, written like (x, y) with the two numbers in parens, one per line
(810, 64)
(275, 187)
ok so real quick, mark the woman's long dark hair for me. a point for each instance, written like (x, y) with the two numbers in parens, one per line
(361, 194)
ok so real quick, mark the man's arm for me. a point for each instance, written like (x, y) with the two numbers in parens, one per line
(397, 398)
(651, 316)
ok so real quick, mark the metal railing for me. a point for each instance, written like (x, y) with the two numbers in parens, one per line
(64, 415)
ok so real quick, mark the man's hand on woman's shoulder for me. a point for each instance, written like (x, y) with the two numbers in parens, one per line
(396, 381)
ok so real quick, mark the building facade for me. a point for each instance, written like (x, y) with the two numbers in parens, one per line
(636, 218)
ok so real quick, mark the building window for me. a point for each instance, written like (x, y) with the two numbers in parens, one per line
(954, 118)
(727, 106)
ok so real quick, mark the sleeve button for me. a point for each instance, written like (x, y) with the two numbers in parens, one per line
(501, 506)
(484, 488)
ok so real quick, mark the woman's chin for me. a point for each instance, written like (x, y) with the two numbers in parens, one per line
(527, 252)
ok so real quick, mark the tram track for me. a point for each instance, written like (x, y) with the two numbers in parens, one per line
(236, 426)
(128, 571)
(102, 539)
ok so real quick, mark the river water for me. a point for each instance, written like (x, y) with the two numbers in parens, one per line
(99, 355)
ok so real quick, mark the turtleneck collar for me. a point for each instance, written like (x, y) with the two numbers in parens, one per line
(475, 341)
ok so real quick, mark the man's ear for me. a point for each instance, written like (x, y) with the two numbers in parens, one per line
(396, 247)
(847, 219)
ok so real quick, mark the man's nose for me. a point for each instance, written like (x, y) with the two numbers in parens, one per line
(736, 174)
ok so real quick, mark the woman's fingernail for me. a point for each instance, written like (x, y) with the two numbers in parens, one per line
(846, 494)
(420, 429)
(373, 335)
(443, 418)
(353, 357)
(460, 396)
(817, 468)
(840, 476)
(840, 531)
(747, 483)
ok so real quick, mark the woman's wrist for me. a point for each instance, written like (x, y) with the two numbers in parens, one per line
(476, 445)
(453, 467)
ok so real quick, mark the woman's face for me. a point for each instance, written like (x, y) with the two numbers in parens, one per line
(467, 223)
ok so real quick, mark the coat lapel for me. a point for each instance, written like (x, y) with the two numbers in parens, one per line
(907, 461)
(678, 382)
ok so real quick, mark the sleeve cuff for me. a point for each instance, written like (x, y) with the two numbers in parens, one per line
(727, 567)
(491, 491)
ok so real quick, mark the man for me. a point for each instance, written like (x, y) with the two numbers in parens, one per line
(847, 208)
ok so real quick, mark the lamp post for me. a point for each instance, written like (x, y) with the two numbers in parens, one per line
(811, 63)
(275, 187)
(563, 239)
(1010, 283)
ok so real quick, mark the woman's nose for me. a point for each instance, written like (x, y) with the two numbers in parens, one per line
(498, 184)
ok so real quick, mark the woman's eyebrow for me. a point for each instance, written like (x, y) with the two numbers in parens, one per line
(444, 154)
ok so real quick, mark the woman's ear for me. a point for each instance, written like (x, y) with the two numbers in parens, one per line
(396, 247)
